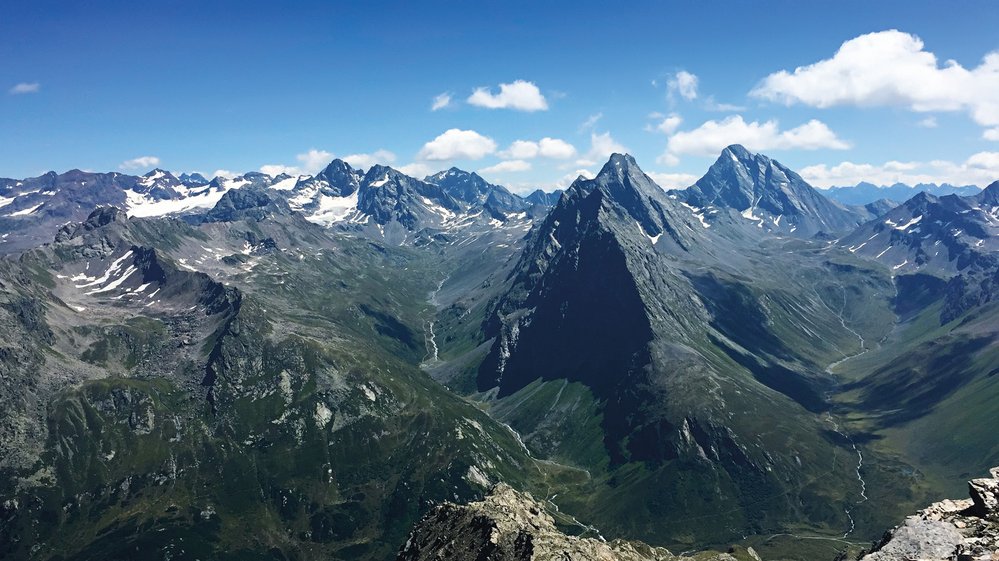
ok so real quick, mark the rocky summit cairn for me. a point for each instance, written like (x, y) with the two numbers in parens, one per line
(963, 530)
(512, 526)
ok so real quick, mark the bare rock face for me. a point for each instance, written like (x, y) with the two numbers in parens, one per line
(963, 530)
(512, 526)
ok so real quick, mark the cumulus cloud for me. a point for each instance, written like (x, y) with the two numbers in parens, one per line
(365, 161)
(979, 169)
(507, 166)
(684, 84)
(25, 88)
(569, 178)
(520, 95)
(457, 144)
(274, 170)
(314, 161)
(673, 180)
(667, 125)
(224, 173)
(890, 68)
(141, 162)
(554, 148)
(441, 101)
(712, 136)
(416, 169)
(602, 145)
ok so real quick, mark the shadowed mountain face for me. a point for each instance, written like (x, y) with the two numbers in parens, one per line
(610, 297)
(302, 367)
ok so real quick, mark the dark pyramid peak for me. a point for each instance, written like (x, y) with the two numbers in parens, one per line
(622, 181)
(625, 195)
(339, 172)
(620, 177)
(337, 166)
(337, 179)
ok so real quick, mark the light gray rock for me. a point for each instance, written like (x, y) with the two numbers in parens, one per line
(920, 539)
(985, 494)
(963, 530)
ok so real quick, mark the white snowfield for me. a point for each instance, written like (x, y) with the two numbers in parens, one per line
(141, 205)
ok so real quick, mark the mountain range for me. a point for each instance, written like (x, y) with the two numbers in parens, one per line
(864, 193)
(303, 367)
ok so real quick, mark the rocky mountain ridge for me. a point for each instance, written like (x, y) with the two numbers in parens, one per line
(950, 530)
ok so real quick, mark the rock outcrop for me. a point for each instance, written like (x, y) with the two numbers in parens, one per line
(512, 526)
(963, 530)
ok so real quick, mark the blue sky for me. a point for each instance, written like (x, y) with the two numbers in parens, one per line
(236, 86)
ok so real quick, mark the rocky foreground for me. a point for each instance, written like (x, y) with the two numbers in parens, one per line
(512, 526)
(962, 530)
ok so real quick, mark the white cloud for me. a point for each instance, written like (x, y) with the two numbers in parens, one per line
(556, 148)
(314, 161)
(711, 105)
(668, 125)
(569, 178)
(683, 83)
(141, 162)
(712, 136)
(928, 123)
(547, 147)
(310, 163)
(224, 173)
(673, 180)
(441, 101)
(521, 149)
(519, 95)
(602, 145)
(590, 122)
(507, 166)
(365, 161)
(458, 144)
(25, 88)
(275, 170)
(890, 68)
(416, 169)
(991, 134)
(979, 169)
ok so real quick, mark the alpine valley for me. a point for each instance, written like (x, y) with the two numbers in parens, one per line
(361, 364)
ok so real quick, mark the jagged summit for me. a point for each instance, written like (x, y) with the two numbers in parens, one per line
(931, 234)
(768, 195)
